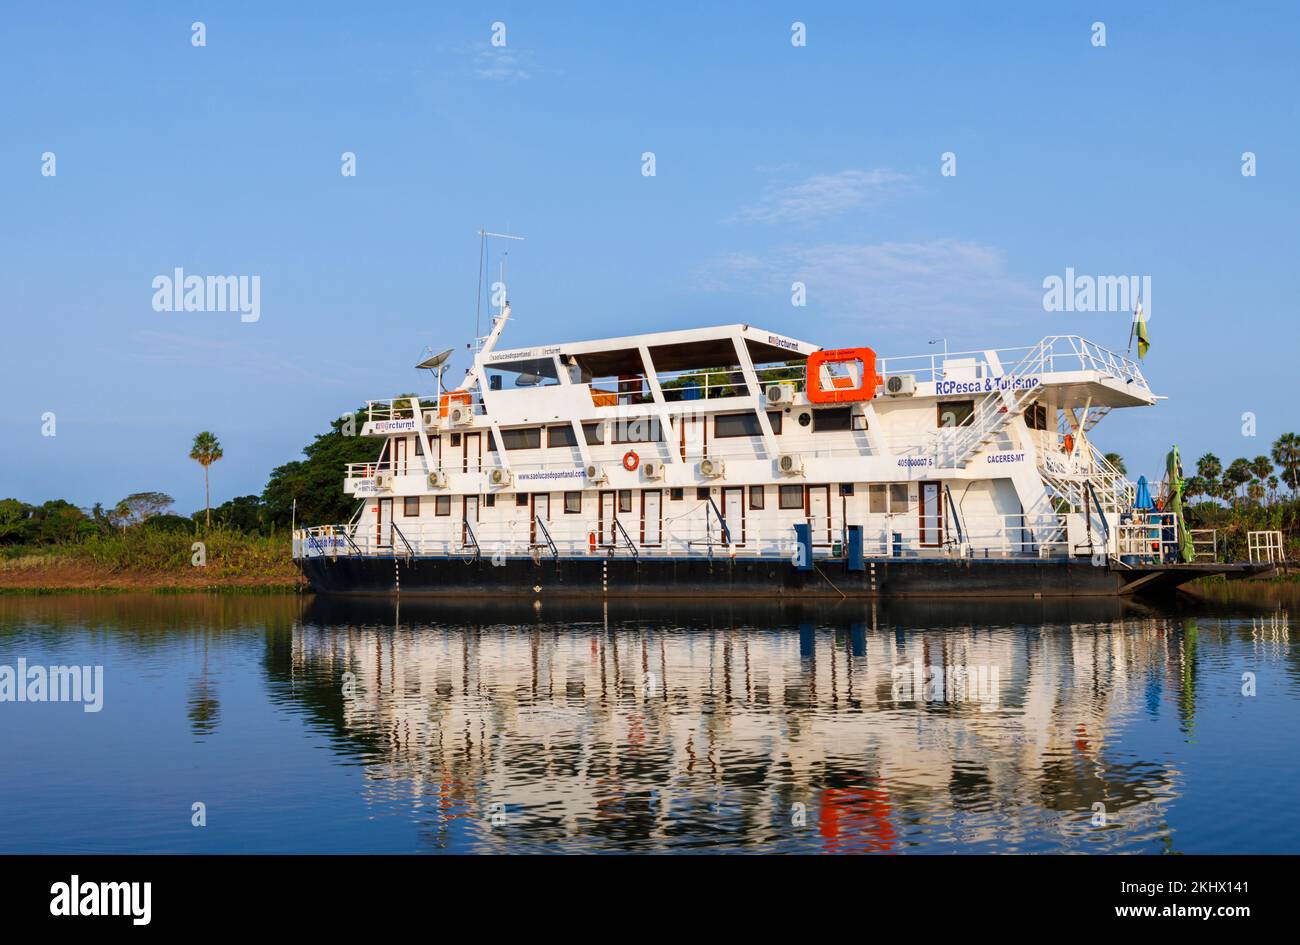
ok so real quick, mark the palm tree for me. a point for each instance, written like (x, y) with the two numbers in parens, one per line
(1286, 453)
(1209, 468)
(206, 451)
(1117, 461)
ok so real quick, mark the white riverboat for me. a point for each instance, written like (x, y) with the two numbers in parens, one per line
(733, 459)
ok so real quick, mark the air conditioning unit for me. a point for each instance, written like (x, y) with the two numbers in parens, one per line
(438, 479)
(383, 480)
(501, 477)
(596, 473)
(780, 394)
(460, 415)
(431, 419)
(789, 464)
(652, 470)
(712, 468)
(900, 385)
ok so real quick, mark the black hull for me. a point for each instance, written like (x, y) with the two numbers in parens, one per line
(725, 577)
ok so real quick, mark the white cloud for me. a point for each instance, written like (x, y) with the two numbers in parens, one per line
(898, 288)
(819, 197)
(502, 65)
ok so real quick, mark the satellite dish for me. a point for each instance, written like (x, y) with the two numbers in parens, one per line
(528, 380)
(437, 361)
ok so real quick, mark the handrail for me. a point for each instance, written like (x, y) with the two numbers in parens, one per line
(726, 532)
(1101, 511)
(473, 539)
(348, 538)
(409, 550)
(956, 516)
(546, 533)
(622, 531)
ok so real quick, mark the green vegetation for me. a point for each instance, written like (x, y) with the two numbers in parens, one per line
(1246, 496)
(205, 452)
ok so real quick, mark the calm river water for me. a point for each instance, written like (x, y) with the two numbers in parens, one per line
(307, 725)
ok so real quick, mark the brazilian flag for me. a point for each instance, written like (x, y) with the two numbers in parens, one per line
(1140, 327)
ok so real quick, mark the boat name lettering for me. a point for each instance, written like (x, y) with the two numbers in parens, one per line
(988, 385)
(1006, 457)
(782, 342)
(394, 426)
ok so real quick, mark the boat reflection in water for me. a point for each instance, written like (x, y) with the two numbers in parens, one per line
(931, 726)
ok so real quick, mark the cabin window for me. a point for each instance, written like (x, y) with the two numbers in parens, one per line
(636, 430)
(833, 420)
(528, 438)
(757, 496)
(411, 506)
(859, 421)
(558, 436)
(956, 413)
(1036, 417)
(792, 497)
(490, 500)
(676, 495)
(744, 424)
(884, 499)
(419, 445)
(529, 372)
(846, 488)
(702, 492)
(572, 503)
(625, 500)
(442, 505)
(521, 499)
(455, 439)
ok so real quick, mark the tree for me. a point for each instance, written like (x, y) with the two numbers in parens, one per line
(139, 507)
(1117, 461)
(1235, 476)
(1286, 453)
(206, 451)
(317, 481)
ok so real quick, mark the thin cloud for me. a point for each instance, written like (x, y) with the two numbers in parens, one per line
(896, 287)
(820, 197)
(502, 65)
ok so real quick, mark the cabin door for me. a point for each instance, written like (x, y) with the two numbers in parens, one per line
(384, 523)
(541, 503)
(695, 436)
(819, 514)
(931, 515)
(651, 517)
(733, 513)
(399, 456)
(608, 512)
(469, 511)
(473, 452)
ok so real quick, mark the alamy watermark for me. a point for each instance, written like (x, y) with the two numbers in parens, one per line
(1079, 293)
(181, 293)
(916, 682)
(23, 683)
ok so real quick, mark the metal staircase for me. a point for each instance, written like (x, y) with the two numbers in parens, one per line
(995, 410)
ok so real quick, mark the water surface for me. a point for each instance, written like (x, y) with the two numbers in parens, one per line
(902, 727)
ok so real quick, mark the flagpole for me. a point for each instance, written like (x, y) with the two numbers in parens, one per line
(1132, 325)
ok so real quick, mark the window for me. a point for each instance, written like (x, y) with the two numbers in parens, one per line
(442, 505)
(411, 506)
(887, 498)
(792, 497)
(756, 497)
(859, 421)
(572, 503)
(832, 419)
(455, 439)
(675, 495)
(744, 424)
(956, 413)
(563, 435)
(1036, 417)
(625, 500)
(521, 499)
(419, 445)
(490, 500)
(702, 492)
(636, 430)
(529, 438)
(846, 488)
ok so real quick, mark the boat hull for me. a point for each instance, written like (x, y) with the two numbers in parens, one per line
(723, 576)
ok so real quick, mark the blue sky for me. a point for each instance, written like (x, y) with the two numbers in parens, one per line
(773, 163)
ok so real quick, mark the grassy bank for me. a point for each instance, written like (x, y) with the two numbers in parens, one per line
(153, 560)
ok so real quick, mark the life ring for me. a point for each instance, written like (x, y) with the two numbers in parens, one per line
(631, 461)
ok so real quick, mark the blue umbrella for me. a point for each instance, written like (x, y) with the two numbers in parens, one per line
(1142, 499)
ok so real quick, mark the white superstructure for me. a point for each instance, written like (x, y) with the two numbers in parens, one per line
(721, 440)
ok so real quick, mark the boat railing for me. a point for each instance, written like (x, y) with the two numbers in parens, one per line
(1053, 354)
(1147, 537)
(698, 525)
